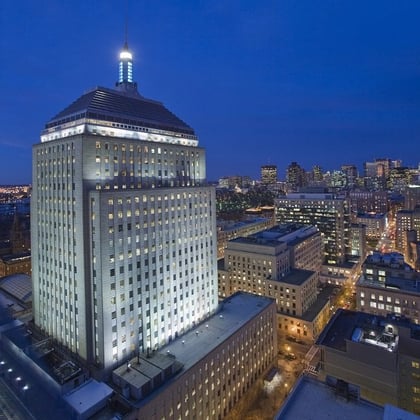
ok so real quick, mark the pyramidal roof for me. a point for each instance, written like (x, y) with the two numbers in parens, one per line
(121, 107)
(124, 105)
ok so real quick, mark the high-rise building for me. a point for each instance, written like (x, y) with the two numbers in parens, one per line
(406, 221)
(295, 176)
(351, 174)
(412, 197)
(123, 225)
(377, 173)
(368, 202)
(268, 174)
(330, 214)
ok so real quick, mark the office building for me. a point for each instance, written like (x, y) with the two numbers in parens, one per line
(283, 263)
(208, 369)
(407, 226)
(351, 173)
(368, 202)
(329, 213)
(375, 224)
(412, 197)
(227, 230)
(388, 285)
(358, 240)
(123, 225)
(373, 357)
(15, 264)
(268, 174)
(295, 177)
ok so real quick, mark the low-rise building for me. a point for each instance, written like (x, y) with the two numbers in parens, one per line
(375, 224)
(16, 263)
(282, 263)
(227, 230)
(373, 357)
(203, 373)
(388, 285)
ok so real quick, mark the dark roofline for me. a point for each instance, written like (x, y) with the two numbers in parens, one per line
(120, 107)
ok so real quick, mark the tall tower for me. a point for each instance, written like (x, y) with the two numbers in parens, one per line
(123, 225)
(268, 174)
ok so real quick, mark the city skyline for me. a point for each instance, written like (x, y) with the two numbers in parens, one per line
(261, 84)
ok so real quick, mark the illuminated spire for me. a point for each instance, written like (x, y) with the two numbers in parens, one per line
(126, 65)
(125, 71)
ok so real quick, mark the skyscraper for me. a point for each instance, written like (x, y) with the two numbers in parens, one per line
(268, 174)
(295, 176)
(124, 257)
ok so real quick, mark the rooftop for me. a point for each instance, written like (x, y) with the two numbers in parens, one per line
(18, 286)
(235, 312)
(311, 399)
(392, 283)
(119, 107)
(297, 277)
(379, 331)
(190, 348)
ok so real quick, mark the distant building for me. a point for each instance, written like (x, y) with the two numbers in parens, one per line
(406, 221)
(373, 357)
(295, 177)
(14, 264)
(317, 174)
(351, 174)
(368, 202)
(376, 174)
(268, 174)
(358, 240)
(400, 179)
(375, 224)
(230, 230)
(232, 182)
(412, 197)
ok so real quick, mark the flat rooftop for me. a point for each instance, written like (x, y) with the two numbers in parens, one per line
(392, 283)
(311, 399)
(361, 327)
(190, 348)
(297, 277)
(235, 312)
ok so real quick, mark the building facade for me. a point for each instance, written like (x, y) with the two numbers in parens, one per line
(268, 174)
(375, 224)
(282, 263)
(218, 363)
(330, 214)
(124, 257)
(388, 285)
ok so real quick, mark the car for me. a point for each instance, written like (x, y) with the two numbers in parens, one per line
(290, 356)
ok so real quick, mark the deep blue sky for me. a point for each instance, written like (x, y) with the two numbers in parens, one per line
(326, 82)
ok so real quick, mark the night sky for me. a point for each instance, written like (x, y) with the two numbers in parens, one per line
(328, 82)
